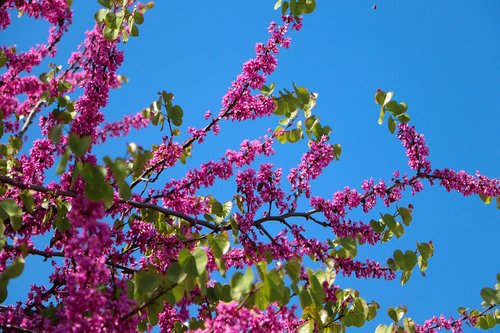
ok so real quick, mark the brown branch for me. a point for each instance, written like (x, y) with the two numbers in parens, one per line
(47, 255)
(189, 141)
(13, 328)
(147, 303)
(29, 119)
(38, 188)
(465, 317)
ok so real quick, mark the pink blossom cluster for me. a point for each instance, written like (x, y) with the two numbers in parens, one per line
(467, 184)
(313, 162)
(100, 60)
(122, 128)
(335, 212)
(367, 269)
(39, 160)
(438, 323)
(12, 84)
(165, 155)
(239, 103)
(234, 318)
(416, 148)
(181, 194)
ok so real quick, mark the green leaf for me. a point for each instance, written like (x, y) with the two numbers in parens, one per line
(175, 273)
(486, 200)
(396, 313)
(404, 118)
(293, 136)
(389, 221)
(405, 277)
(307, 327)
(138, 18)
(241, 283)
(125, 38)
(372, 310)
(111, 34)
(3, 289)
(55, 134)
(28, 200)
(15, 269)
(490, 296)
(349, 247)
(309, 7)
(284, 8)
(337, 150)
(134, 31)
(393, 107)
(388, 97)
(61, 166)
(175, 295)
(425, 250)
(391, 124)
(145, 283)
(219, 245)
(405, 214)
(100, 15)
(277, 5)
(124, 190)
(422, 263)
(193, 264)
(118, 167)
(79, 145)
(61, 222)
(63, 86)
(410, 260)
(105, 3)
(216, 208)
(292, 268)
(302, 94)
(381, 329)
(267, 90)
(11, 210)
(409, 325)
(486, 322)
(316, 291)
(377, 226)
(392, 264)
(3, 58)
(399, 258)
(176, 114)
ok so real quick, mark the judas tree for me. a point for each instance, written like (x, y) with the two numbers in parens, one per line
(128, 248)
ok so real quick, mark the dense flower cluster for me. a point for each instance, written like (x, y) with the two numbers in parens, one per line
(233, 318)
(436, 324)
(239, 103)
(12, 83)
(122, 128)
(416, 149)
(313, 162)
(181, 194)
(100, 60)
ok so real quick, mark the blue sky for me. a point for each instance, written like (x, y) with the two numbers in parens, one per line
(441, 57)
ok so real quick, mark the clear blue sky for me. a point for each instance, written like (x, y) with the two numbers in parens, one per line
(441, 57)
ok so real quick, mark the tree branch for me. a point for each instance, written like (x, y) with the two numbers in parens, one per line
(189, 141)
(13, 328)
(47, 255)
(136, 204)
